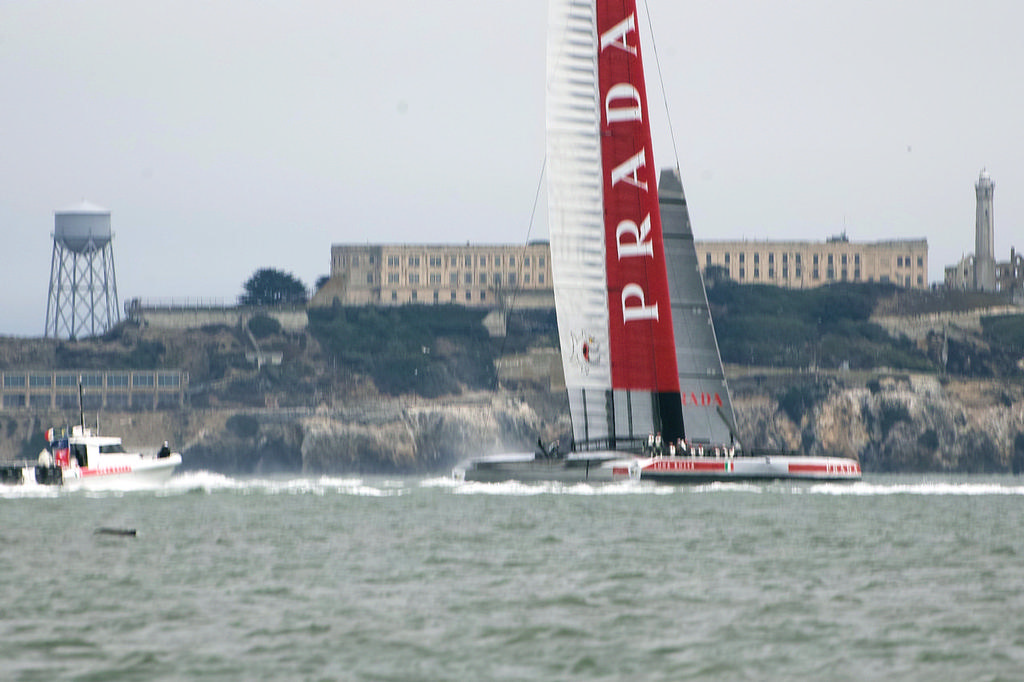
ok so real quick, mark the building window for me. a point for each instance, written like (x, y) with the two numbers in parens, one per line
(797, 259)
(726, 259)
(511, 261)
(469, 278)
(414, 278)
(843, 259)
(355, 259)
(436, 295)
(815, 262)
(831, 274)
(434, 261)
(540, 278)
(920, 263)
(540, 261)
(785, 272)
(393, 278)
(483, 295)
(526, 261)
(469, 261)
(435, 278)
(44, 380)
(369, 278)
(757, 259)
(483, 278)
(856, 259)
(453, 297)
(757, 270)
(511, 279)
(899, 261)
(797, 272)
(920, 280)
(14, 380)
(843, 274)
(815, 274)
(742, 257)
(526, 278)
(831, 261)
(743, 271)
(771, 273)
(142, 380)
(394, 296)
(469, 295)
(497, 279)
(771, 258)
(414, 297)
(483, 261)
(856, 274)
(414, 261)
(453, 278)
(708, 259)
(392, 261)
(168, 380)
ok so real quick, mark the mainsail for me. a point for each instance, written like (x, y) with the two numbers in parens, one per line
(608, 256)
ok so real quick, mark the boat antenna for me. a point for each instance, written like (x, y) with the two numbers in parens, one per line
(661, 81)
(81, 405)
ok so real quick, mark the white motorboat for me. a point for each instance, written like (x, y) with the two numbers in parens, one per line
(84, 459)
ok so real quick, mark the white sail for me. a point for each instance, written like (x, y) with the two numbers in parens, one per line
(576, 211)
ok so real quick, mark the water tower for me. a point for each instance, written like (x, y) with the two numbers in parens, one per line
(83, 289)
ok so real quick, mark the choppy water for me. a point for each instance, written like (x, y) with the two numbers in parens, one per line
(343, 579)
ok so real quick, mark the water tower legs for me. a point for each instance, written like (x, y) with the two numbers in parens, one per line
(83, 292)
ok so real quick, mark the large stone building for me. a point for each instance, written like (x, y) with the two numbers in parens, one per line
(488, 275)
(470, 275)
(802, 264)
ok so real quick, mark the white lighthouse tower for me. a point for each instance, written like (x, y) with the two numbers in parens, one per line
(984, 249)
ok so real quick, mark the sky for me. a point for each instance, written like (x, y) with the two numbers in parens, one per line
(230, 135)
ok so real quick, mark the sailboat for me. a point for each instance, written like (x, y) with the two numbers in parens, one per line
(648, 397)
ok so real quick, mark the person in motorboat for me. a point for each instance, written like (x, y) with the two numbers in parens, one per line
(163, 452)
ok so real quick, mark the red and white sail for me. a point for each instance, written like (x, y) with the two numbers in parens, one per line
(608, 257)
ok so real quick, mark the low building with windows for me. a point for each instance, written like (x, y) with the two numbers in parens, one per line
(470, 275)
(115, 390)
(804, 264)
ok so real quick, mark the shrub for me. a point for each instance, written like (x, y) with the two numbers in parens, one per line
(263, 326)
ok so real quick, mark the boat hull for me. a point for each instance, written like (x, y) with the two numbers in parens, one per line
(752, 468)
(611, 466)
(143, 471)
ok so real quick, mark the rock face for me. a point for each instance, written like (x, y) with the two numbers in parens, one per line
(905, 424)
(891, 424)
(389, 438)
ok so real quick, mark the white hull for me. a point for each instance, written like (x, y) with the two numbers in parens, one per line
(609, 466)
(141, 471)
(130, 471)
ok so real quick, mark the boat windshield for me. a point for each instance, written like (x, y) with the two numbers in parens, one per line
(116, 447)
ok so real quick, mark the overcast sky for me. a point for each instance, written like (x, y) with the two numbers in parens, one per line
(231, 135)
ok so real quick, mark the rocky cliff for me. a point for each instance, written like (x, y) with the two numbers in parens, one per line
(901, 423)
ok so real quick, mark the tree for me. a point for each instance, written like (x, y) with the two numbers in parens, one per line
(272, 287)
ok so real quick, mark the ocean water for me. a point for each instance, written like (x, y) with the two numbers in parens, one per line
(908, 578)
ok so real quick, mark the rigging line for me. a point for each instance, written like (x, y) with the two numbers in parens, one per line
(661, 81)
(526, 245)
